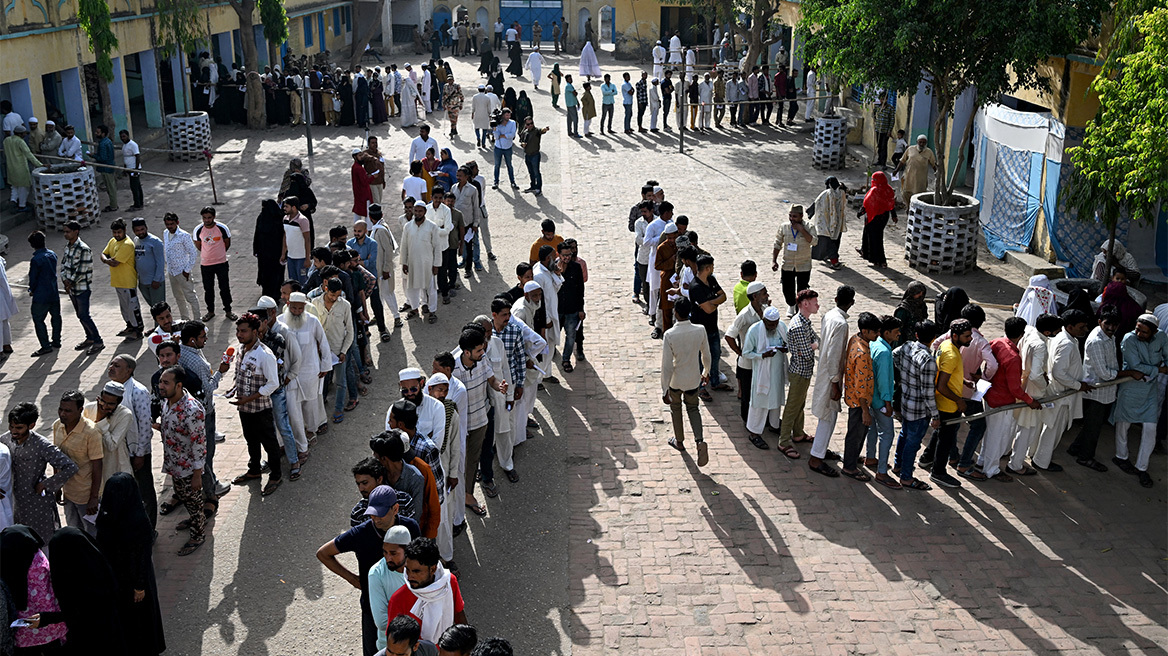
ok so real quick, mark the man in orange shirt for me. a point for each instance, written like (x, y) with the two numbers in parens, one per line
(548, 238)
(858, 388)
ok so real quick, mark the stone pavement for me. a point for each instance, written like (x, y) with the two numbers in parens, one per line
(612, 541)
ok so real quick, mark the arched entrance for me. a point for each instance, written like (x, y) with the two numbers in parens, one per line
(441, 15)
(483, 17)
(581, 21)
(606, 30)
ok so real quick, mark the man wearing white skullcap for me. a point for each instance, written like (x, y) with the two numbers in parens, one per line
(115, 422)
(35, 135)
(758, 299)
(431, 413)
(1145, 351)
(658, 61)
(765, 346)
(52, 141)
(916, 164)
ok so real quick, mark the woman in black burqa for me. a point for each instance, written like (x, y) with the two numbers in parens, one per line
(126, 538)
(268, 247)
(87, 593)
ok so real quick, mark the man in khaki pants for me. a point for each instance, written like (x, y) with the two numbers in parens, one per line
(181, 258)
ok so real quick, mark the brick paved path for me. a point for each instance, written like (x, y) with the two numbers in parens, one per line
(612, 541)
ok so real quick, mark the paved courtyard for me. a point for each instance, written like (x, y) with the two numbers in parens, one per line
(612, 542)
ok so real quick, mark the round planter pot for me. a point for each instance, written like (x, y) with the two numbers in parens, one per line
(831, 142)
(942, 239)
(188, 135)
(63, 193)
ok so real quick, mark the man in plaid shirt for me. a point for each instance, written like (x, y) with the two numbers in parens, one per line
(256, 378)
(802, 343)
(916, 372)
(76, 277)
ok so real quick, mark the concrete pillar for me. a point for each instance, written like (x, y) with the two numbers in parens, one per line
(386, 19)
(151, 92)
(179, 74)
(119, 99)
(76, 109)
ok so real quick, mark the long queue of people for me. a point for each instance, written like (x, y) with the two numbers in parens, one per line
(1019, 393)
(453, 422)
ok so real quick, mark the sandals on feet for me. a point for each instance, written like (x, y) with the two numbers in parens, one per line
(888, 482)
(825, 469)
(757, 441)
(790, 452)
(294, 475)
(972, 474)
(916, 485)
(832, 455)
(803, 438)
(1026, 471)
(271, 486)
(859, 475)
(338, 418)
(245, 478)
(477, 509)
(1003, 477)
(675, 444)
(167, 507)
(703, 454)
(191, 547)
(489, 489)
(1091, 463)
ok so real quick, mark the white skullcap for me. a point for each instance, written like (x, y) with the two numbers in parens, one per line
(297, 297)
(33, 119)
(356, 151)
(656, 190)
(1149, 319)
(437, 379)
(670, 228)
(114, 388)
(754, 287)
(771, 313)
(530, 286)
(410, 373)
(266, 302)
(49, 123)
(658, 42)
(921, 136)
(399, 535)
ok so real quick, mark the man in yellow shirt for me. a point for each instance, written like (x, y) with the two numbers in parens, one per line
(119, 255)
(547, 237)
(78, 438)
(950, 403)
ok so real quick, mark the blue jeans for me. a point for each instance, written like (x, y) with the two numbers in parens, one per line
(209, 478)
(344, 378)
(570, 322)
(628, 117)
(296, 269)
(880, 432)
(284, 424)
(911, 434)
(715, 340)
(502, 154)
(81, 308)
(481, 136)
(533, 171)
(39, 312)
(977, 429)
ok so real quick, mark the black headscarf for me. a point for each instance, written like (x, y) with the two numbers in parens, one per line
(950, 305)
(269, 231)
(18, 546)
(86, 591)
(122, 518)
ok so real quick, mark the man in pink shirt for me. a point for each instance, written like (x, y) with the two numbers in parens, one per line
(213, 239)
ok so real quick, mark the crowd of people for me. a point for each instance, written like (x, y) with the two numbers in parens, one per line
(1019, 393)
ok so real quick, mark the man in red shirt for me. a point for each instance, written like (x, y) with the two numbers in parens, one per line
(362, 179)
(432, 597)
(1006, 388)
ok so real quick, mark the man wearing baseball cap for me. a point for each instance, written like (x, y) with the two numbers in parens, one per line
(368, 542)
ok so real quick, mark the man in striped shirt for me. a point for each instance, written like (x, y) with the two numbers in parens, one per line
(477, 375)
(76, 277)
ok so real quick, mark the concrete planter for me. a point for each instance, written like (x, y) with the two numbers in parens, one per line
(942, 239)
(63, 193)
(831, 142)
(189, 134)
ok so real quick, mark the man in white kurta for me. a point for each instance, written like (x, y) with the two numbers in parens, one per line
(1144, 350)
(427, 80)
(523, 311)
(481, 107)
(535, 65)
(658, 61)
(829, 376)
(765, 347)
(1064, 369)
(1032, 349)
(315, 358)
(549, 281)
(421, 254)
(675, 49)
(453, 459)
(115, 421)
(386, 250)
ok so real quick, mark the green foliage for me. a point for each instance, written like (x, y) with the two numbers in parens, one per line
(180, 26)
(1123, 162)
(275, 21)
(955, 45)
(94, 18)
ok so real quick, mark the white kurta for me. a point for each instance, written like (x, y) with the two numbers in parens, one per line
(1032, 350)
(115, 430)
(8, 307)
(421, 250)
(833, 333)
(535, 65)
(674, 49)
(658, 61)
(315, 355)
(427, 80)
(480, 111)
(550, 283)
(769, 380)
(409, 104)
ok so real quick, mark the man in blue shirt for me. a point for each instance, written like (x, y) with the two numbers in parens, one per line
(42, 285)
(150, 261)
(105, 155)
(364, 541)
(608, 102)
(627, 97)
(883, 390)
(573, 106)
(504, 138)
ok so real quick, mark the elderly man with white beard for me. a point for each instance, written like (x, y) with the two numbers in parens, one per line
(421, 256)
(546, 274)
(315, 361)
(524, 311)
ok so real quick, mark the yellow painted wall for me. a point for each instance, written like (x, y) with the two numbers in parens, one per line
(1080, 104)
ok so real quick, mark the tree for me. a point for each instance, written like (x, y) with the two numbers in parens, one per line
(1122, 165)
(365, 34)
(953, 45)
(180, 34)
(275, 23)
(256, 114)
(759, 35)
(94, 18)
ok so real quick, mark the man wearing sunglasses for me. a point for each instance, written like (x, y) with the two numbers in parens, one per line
(431, 411)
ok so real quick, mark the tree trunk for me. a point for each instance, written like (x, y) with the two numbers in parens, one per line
(965, 137)
(107, 109)
(274, 55)
(256, 116)
(940, 132)
(366, 34)
(1110, 249)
